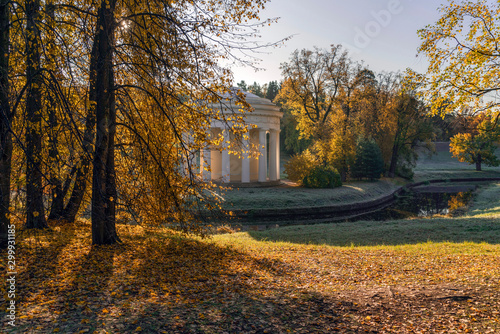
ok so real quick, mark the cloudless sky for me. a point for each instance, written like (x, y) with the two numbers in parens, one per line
(382, 33)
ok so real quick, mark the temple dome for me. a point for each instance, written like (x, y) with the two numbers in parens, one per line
(264, 113)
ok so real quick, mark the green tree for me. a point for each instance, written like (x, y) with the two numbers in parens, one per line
(243, 85)
(256, 89)
(322, 177)
(369, 162)
(273, 89)
(478, 145)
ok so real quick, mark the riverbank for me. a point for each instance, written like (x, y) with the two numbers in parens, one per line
(480, 224)
(262, 219)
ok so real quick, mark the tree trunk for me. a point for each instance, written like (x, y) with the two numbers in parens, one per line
(394, 162)
(103, 177)
(82, 170)
(34, 187)
(5, 124)
(57, 204)
(83, 167)
(479, 160)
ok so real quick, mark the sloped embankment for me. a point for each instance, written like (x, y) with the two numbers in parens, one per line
(302, 215)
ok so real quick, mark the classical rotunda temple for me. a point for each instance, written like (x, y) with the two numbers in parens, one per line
(264, 129)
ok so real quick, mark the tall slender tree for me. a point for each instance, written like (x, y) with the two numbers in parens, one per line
(34, 187)
(5, 123)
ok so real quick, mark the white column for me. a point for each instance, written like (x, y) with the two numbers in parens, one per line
(226, 163)
(278, 161)
(273, 155)
(262, 156)
(206, 164)
(245, 162)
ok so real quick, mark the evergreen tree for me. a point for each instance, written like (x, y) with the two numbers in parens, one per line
(256, 89)
(369, 162)
(243, 85)
(272, 90)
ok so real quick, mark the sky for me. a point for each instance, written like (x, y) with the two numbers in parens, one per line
(381, 33)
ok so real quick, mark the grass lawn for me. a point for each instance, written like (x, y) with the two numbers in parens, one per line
(439, 275)
(411, 276)
(442, 165)
(290, 196)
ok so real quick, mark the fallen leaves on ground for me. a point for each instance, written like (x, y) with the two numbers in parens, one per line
(159, 282)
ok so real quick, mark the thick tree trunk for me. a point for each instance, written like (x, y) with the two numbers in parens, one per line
(103, 176)
(34, 187)
(5, 124)
(479, 160)
(57, 204)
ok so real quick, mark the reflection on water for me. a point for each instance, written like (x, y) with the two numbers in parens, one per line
(430, 204)
(422, 204)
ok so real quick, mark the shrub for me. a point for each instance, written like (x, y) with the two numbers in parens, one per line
(300, 165)
(322, 177)
(405, 171)
(369, 162)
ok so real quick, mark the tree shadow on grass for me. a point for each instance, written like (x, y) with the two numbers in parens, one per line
(39, 246)
(72, 291)
(206, 288)
(396, 232)
(179, 285)
(155, 283)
